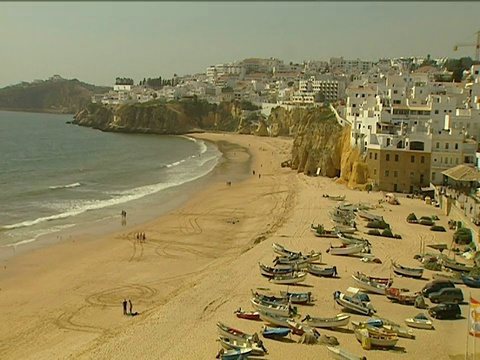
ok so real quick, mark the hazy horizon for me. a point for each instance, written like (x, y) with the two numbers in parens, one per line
(96, 42)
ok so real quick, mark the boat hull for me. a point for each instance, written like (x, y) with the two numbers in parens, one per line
(337, 321)
(369, 285)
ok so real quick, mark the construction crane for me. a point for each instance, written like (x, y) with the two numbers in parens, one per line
(477, 46)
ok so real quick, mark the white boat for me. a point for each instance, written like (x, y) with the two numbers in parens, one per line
(346, 249)
(354, 301)
(345, 229)
(257, 348)
(231, 333)
(301, 329)
(406, 271)
(294, 278)
(377, 337)
(369, 216)
(281, 250)
(364, 282)
(273, 319)
(337, 321)
(269, 271)
(335, 197)
(388, 325)
(348, 239)
(420, 321)
(322, 271)
(298, 260)
(340, 354)
(277, 309)
(235, 354)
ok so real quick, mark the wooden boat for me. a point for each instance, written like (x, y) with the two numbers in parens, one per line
(297, 298)
(402, 297)
(406, 271)
(322, 271)
(231, 333)
(354, 301)
(298, 261)
(347, 239)
(249, 315)
(346, 249)
(340, 354)
(471, 281)
(342, 219)
(301, 329)
(390, 326)
(281, 250)
(234, 354)
(345, 214)
(420, 321)
(320, 231)
(453, 278)
(364, 282)
(369, 216)
(294, 278)
(377, 337)
(257, 349)
(454, 265)
(277, 309)
(337, 321)
(377, 224)
(273, 319)
(275, 333)
(345, 229)
(335, 198)
(271, 299)
(345, 222)
(269, 271)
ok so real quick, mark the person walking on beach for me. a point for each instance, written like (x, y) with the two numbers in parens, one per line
(124, 306)
(131, 306)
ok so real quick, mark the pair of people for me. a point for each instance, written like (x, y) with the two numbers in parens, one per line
(125, 307)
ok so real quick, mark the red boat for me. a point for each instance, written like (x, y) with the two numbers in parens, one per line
(250, 315)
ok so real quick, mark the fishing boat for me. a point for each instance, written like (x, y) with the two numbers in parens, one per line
(275, 333)
(297, 298)
(369, 216)
(271, 299)
(391, 326)
(453, 278)
(346, 249)
(354, 301)
(420, 321)
(294, 278)
(454, 265)
(300, 260)
(273, 319)
(281, 250)
(301, 329)
(377, 337)
(249, 315)
(347, 239)
(256, 348)
(343, 221)
(231, 333)
(333, 322)
(471, 281)
(269, 271)
(407, 271)
(366, 283)
(400, 296)
(322, 271)
(340, 354)
(345, 229)
(234, 354)
(335, 198)
(277, 309)
(347, 214)
(320, 231)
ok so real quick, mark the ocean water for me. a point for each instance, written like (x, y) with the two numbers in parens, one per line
(54, 176)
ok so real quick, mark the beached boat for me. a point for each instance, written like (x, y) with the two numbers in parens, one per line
(337, 321)
(269, 271)
(322, 271)
(354, 301)
(257, 349)
(274, 319)
(342, 219)
(294, 278)
(340, 354)
(400, 296)
(366, 283)
(369, 216)
(271, 299)
(301, 329)
(234, 354)
(407, 271)
(320, 231)
(454, 265)
(471, 281)
(277, 309)
(249, 315)
(335, 198)
(390, 326)
(297, 298)
(453, 278)
(377, 337)
(347, 239)
(281, 250)
(275, 333)
(346, 249)
(231, 333)
(420, 321)
(345, 229)
(346, 214)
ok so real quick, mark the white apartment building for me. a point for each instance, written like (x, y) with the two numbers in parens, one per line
(332, 90)
(350, 66)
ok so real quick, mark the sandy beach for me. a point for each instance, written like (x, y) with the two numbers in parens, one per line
(198, 265)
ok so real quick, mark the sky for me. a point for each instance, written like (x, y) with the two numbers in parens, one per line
(97, 42)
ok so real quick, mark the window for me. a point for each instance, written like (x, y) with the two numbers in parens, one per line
(412, 175)
(395, 91)
(447, 145)
(396, 157)
(422, 159)
(375, 156)
(456, 146)
(412, 158)
(436, 111)
(433, 176)
(395, 173)
(437, 145)
(387, 157)
(370, 156)
(387, 173)
(374, 171)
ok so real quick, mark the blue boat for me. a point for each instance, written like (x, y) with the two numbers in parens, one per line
(471, 281)
(234, 354)
(273, 333)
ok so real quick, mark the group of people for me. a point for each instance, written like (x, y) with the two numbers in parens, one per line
(140, 237)
(125, 303)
